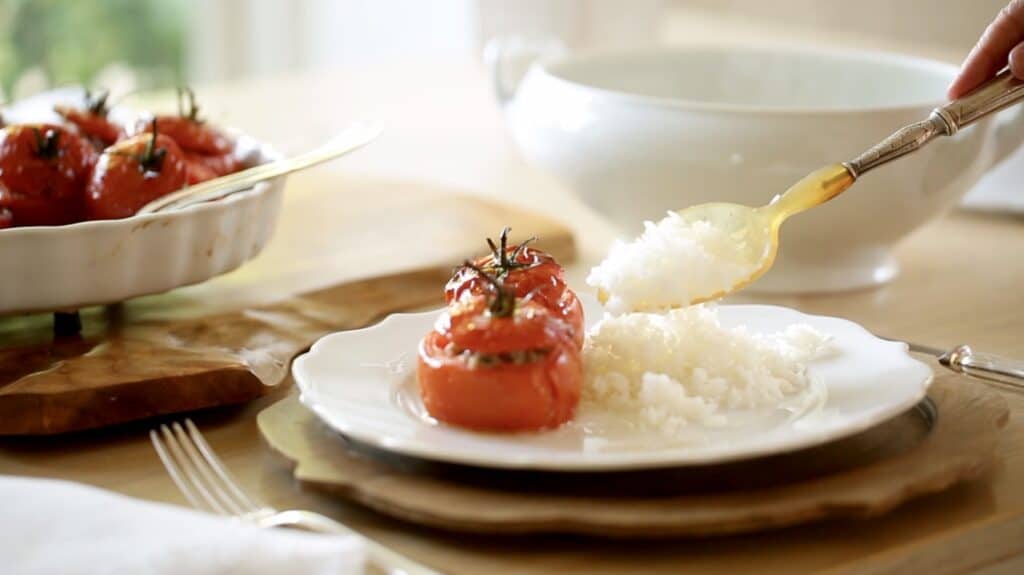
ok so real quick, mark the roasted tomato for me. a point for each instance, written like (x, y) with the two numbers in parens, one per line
(91, 121)
(190, 132)
(133, 173)
(197, 172)
(496, 362)
(43, 172)
(202, 167)
(527, 273)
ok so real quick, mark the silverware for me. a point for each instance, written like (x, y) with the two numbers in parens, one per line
(351, 139)
(204, 480)
(1005, 372)
(998, 93)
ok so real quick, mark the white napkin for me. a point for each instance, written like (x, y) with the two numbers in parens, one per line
(50, 527)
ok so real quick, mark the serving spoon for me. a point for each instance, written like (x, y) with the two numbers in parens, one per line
(353, 138)
(756, 229)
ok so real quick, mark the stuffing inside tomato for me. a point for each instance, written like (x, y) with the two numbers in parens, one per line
(43, 172)
(497, 362)
(527, 273)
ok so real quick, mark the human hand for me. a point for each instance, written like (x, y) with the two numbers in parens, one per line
(1001, 44)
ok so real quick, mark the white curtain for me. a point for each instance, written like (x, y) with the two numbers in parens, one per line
(236, 38)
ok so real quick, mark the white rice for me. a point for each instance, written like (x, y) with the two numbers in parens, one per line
(666, 371)
(670, 265)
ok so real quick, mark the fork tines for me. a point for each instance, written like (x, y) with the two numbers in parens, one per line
(197, 471)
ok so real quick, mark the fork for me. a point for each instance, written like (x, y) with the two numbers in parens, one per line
(205, 482)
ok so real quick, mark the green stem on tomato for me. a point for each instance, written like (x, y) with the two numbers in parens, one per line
(96, 104)
(193, 107)
(502, 263)
(47, 145)
(504, 302)
(152, 158)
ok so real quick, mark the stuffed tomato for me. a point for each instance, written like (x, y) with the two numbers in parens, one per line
(500, 363)
(526, 273)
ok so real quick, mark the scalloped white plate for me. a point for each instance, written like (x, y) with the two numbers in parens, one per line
(362, 383)
(54, 268)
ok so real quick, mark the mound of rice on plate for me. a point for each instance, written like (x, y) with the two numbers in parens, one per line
(666, 371)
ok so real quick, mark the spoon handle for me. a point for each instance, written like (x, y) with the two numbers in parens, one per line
(350, 140)
(1007, 372)
(998, 93)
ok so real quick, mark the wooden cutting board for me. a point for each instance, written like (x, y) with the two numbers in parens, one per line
(231, 340)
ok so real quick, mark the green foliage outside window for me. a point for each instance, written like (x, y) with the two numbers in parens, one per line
(70, 41)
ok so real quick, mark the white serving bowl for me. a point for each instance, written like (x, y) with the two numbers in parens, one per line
(60, 268)
(639, 133)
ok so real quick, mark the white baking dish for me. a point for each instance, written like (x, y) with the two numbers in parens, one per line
(60, 268)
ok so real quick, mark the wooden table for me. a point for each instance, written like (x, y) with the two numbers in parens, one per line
(960, 283)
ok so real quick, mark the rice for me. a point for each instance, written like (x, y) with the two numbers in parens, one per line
(667, 371)
(670, 265)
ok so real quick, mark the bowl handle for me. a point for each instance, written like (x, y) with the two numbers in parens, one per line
(509, 58)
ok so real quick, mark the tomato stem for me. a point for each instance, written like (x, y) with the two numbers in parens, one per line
(97, 103)
(503, 264)
(193, 107)
(152, 158)
(504, 302)
(47, 145)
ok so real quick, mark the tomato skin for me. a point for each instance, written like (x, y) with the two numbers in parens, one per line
(539, 390)
(43, 187)
(536, 395)
(121, 184)
(570, 310)
(543, 281)
(544, 276)
(469, 324)
(101, 131)
(203, 167)
(6, 218)
(221, 164)
(197, 173)
(190, 135)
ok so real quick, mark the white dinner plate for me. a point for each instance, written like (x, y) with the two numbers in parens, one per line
(362, 383)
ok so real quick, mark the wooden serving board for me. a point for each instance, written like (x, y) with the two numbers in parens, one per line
(862, 476)
(232, 339)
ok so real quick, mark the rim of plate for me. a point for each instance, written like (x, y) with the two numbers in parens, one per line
(609, 461)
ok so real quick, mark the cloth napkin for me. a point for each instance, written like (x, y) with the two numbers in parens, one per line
(50, 527)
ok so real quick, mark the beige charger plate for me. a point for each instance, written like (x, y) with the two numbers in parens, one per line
(864, 475)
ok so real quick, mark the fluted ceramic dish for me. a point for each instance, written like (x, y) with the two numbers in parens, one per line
(362, 383)
(63, 268)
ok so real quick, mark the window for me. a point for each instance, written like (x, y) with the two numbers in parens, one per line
(118, 44)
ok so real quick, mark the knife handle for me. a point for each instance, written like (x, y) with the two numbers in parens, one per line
(963, 359)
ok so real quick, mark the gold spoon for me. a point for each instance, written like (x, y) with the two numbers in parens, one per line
(350, 140)
(756, 230)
